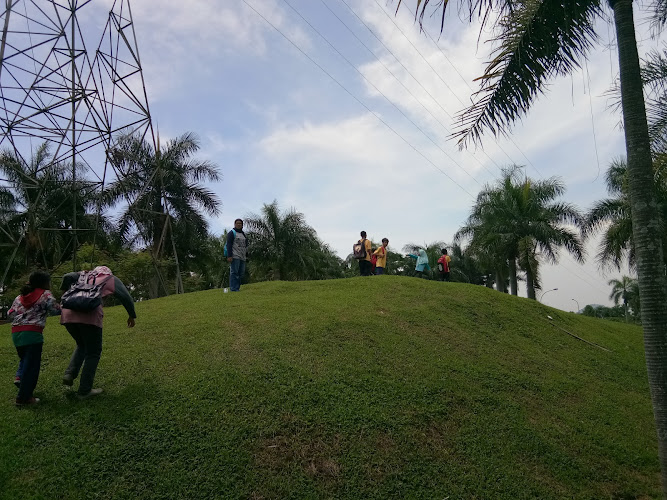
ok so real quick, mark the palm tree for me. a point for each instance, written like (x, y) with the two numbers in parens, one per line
(472, 267)
(654, 76)
(282, 243)
(487, 244)
(165, 196)
(516, 221)
(540, 39)
(36, 209)
(622, 290)
(160, 181)
(614, 215)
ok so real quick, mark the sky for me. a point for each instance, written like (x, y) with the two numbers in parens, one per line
(342, 110)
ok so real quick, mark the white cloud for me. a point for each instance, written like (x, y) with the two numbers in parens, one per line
(184, 43)
(355, 174)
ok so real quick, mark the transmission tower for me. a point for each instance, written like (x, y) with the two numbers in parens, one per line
(57, 88)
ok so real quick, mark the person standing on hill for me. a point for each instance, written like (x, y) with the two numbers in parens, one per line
(28, 312)
(443, 266)
(422, 263)
(85, 327)
(381, 256)
(365, 266)
(237, 251)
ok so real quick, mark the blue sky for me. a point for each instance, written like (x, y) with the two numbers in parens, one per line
(354, 149)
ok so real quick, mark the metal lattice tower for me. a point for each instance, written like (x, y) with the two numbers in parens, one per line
(56, 87)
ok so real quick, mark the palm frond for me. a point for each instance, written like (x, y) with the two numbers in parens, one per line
(538, 40)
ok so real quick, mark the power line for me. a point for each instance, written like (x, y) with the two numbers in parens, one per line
(590, 104)
(355, 97)
(453, 93)
(381, 93)
(509, 138)
(407, 71)
(434, 70)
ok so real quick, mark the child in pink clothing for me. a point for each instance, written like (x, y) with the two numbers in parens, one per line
(29, 312)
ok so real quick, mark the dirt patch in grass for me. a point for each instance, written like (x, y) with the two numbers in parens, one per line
(317, 457)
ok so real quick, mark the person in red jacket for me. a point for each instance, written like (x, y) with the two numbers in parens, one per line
(28, 312)
(443, 266)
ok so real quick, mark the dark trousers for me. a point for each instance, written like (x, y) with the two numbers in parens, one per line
(31, 359)
(86, 356)
(365, 267)
(19, 371)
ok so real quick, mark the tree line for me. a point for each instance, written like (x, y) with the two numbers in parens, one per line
(161, 206)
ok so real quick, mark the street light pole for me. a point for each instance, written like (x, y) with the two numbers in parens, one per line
(576, 302)
(552, 290)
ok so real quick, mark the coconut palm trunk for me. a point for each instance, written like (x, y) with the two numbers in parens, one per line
(513, 278)
(530, 282)
(500, 282)
(645, 224)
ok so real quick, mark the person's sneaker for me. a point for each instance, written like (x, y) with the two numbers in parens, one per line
(26, 402)
(68, 380)
(93, 392)
(17, 382)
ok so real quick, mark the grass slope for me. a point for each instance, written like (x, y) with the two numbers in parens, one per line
(385, 387)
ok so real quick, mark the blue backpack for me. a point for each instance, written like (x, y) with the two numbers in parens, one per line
(224, 252)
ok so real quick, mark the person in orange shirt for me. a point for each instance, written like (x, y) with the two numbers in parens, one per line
(365, 263)
(381, 256)
(443, 266)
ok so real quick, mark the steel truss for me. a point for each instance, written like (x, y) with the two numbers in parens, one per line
(54, 89)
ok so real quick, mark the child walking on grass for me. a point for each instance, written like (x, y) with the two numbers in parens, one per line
(29, 312)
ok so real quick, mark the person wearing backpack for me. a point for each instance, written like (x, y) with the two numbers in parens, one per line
(443, 266)
(362, 252)
(380, 255)
(85, 326)
(28, 312)
(236, 251)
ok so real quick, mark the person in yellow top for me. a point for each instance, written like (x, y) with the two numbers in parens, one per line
(381, 256)
(365, 263)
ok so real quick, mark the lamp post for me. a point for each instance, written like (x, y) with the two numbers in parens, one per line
(552, 290)
(576, 302)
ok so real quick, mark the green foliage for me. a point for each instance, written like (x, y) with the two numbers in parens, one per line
(626, 290)
(36, 208)
(519, 221)
(382, 387)
(615, 313)
(284, 247)
(613, 215)
(212, 266)
(654, 77)
(162, 181)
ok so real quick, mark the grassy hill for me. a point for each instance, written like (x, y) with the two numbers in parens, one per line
(384, 387)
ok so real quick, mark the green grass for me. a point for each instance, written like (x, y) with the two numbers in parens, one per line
(383, 387)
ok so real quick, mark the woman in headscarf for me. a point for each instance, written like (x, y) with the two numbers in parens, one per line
(85, 327)
(422, 263)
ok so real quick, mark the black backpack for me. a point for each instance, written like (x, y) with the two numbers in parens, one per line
(359, 249)
(86, 294)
